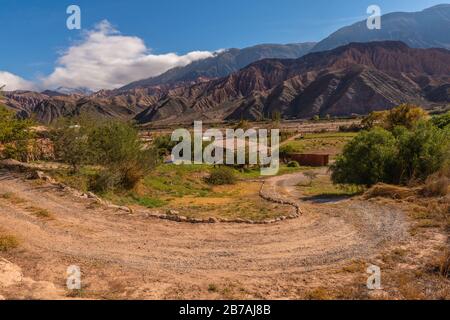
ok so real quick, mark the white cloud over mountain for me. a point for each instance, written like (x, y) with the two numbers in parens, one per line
(13, 82)
(105, 59)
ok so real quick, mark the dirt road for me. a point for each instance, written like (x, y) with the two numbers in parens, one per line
(124, 256)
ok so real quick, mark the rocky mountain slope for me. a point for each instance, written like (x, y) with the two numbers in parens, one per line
(357, 78)
(425, 29)
(222, 64)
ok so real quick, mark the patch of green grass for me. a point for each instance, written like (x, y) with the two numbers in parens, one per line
(331, 143)
(79, 180)
(322, 186)
(150, 202)
(178, 181)
(8, 242)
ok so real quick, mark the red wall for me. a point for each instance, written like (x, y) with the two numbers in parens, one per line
(310, 160)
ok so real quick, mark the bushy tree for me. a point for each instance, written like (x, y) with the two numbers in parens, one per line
(70, 138)
(15, 135)
(114, 146)
(421, 151)
(396, 156)
(367, 159)
(117, 146)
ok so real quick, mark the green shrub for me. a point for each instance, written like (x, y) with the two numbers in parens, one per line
(421, 151)
(15, 135)
(442, 120)
(367, 159)
(293, 164)
(113, 145)
(221, 176)
(396, 157)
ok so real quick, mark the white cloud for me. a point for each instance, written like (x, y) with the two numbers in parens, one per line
(13, 82)
(105, 59)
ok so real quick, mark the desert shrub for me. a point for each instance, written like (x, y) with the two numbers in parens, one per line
(15, 135)
(285, 151)
(117, 146)
(405, 115)
(221, 176)
(442, 120)
(293, 164)
(437, 184)
(354, 127)
(113, 145)
(396, 157)
(164, 145)
(70, 138)
(367, 159)
(421, 151)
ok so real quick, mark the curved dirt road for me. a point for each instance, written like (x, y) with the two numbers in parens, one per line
(125, 256)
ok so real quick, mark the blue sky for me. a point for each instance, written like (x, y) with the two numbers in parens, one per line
(34, 33)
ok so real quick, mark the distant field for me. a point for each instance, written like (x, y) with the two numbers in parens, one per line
(329, 142)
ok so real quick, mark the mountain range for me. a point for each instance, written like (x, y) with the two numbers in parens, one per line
(356, 78)
(425, 29)
(348, 72)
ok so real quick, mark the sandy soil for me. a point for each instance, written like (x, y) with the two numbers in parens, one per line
(125, 256)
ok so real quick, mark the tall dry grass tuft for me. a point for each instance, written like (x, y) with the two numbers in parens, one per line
(437, 185)
(445, 265)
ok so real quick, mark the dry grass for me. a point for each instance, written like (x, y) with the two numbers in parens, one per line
(40, 213)
(319, 294)
(11, 197)
(8, 242)
(444, 267)
(389, 191)
(436, 185)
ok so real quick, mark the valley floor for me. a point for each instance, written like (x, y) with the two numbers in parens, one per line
(323, 254)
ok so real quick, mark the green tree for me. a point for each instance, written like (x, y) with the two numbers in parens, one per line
(15, 135)
(367, 159)
(70, 138)
(422, 151)
(117, 146)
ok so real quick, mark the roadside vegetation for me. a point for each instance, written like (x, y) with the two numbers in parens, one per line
(112, 151)
(401, 147)
(15, 136)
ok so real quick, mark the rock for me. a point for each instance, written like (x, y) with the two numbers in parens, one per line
(173, 212)
(183, 219)
(2, 298)
(10, 274)
(213, 220)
